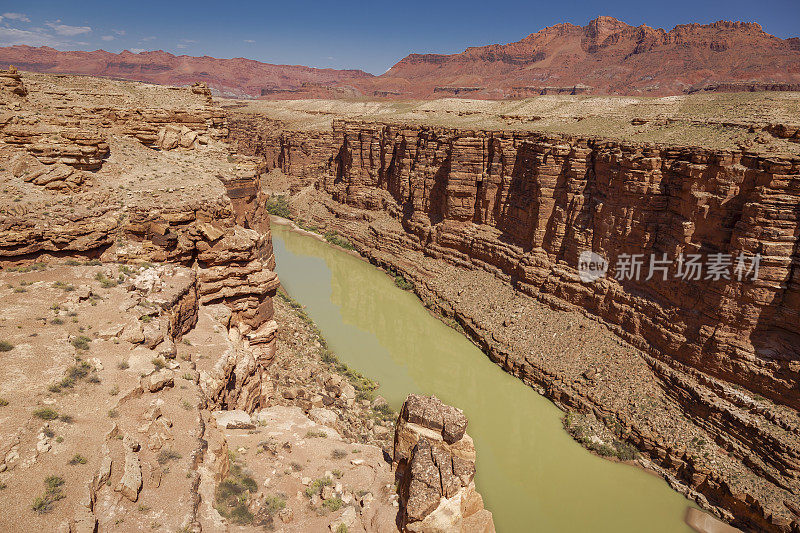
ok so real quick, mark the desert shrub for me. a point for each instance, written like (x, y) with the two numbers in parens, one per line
(333, 504)
(53, 492)
(273, 504)
(46, 413)
(167, 455)
(6, 346)
(81, 342)
(334, 238)
(279, 206)
(78, 459)
(105, 282)
(3, 402)
(316, 486)
(233, 494)
(338, 454)
(383, 412)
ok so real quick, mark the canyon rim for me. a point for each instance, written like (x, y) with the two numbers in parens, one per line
(609, 213)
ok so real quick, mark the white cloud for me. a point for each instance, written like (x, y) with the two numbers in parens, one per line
(22, 17)
(188, 41)
(34, 37)
(182, 46)
(251, 41)
(67, 30)
(145, 39)
(137, 50)
(107, 37)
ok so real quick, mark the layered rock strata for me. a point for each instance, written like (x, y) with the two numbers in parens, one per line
(516, 209)
(434, 461)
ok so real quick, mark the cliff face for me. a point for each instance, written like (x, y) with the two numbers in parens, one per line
(525, 205)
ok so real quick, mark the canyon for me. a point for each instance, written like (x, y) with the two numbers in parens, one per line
(153, 376)
(606, 56)
(489, 223)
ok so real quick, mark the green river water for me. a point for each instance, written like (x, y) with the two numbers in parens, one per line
(532, 475)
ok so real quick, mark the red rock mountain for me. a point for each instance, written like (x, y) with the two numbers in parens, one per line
(231, 77)
(606, 56)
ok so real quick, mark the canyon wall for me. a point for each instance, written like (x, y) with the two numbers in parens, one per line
(481, 221)
(525, 205)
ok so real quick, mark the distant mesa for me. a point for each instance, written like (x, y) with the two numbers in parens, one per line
(607, 56)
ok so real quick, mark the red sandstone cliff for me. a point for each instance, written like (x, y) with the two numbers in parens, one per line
(606, 56)
(236, 77)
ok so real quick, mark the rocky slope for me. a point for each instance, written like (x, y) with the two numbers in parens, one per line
(511, 211)
(146, 383)
(606, 56)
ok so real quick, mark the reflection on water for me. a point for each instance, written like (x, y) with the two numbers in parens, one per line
(532, 475)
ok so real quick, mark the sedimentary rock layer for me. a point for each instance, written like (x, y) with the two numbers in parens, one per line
(525, 205)
(520, 207)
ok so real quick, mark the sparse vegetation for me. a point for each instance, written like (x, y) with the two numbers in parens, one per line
(78, 459)
(580, 431)
(6, 346)
(338, 454)
(279, 206)
(66, 287)
(105, 282)
(341, 528)
(273, 504)
(81, 342)
(166, 455)
(311, 434)
(334, 238)
(316, 486)
(158, 363)
(46, 413)
(74, 374)
(333, 504)
(383, 412)
(28, 268)
(233, 494)
(3, 402)
(53, 492)
(123, 365)
(399, 280)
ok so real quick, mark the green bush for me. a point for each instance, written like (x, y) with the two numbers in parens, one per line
(44, 503)
(6, 346)
(78, 459)
(316, 486)
(334, 238)
(279, 206)
(333, 504)
(81, 342)
(46, 413)
(232, 496)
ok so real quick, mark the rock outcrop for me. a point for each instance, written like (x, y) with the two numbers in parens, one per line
(434, 460)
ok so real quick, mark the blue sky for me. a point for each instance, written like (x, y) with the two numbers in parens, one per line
(343, 34)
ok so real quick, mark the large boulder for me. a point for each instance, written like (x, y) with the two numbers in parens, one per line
(434, 459)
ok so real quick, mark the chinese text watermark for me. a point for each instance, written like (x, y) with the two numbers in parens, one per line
(687, 267)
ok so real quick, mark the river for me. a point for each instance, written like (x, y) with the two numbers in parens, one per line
(533, 476)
